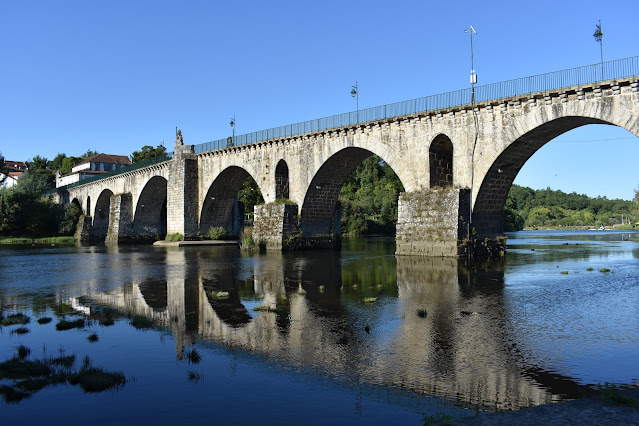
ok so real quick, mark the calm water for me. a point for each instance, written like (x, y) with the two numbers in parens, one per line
(440, 338)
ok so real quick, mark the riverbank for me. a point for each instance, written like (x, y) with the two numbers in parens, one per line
(43, 240)
(610, 408)
(209, 243)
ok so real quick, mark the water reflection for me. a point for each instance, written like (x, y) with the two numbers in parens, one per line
(437, 327)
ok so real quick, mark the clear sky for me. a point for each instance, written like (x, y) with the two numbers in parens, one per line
(112, 76)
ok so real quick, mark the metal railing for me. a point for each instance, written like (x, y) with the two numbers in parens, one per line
(621, 68)
(573, 77)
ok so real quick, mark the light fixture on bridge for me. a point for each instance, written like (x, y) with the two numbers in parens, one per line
(598, 35)
(232, 124)
(355, 94)
(473, 76)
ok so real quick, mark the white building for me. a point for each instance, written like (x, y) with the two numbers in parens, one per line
(92, 166)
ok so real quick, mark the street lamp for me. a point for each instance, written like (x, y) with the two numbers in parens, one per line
(473, 76)
(355, 94)
(598, 35)
(473, 81)
(232, 123)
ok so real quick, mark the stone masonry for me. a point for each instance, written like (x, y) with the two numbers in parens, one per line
(481, 160)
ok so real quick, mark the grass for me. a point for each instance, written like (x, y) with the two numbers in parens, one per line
(140, 322)
(604, 270)
(92, 338)
(610, 394)
(20, 330)
(107, 322)
(15, 319)
(44, 240)
(564, 272)
(30, 376)
(193, 356)
(93, 380)
(263, 308)
(370, 299)
(216, 232)
(193, 376)
(23, 352)
(246, 239)
(68, 325)
(219, 294)
(174, 237)
(44, 320)
(589, 269)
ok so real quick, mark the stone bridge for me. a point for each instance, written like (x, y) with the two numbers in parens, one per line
(451, 161)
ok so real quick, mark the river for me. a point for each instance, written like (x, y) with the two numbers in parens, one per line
(355, 336)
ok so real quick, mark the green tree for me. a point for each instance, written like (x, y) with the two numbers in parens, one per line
(250, 195)
(3, 176)
(25, 212)
(147, 152)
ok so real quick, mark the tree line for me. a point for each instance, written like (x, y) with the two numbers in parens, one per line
(547, 208)
(25, 211)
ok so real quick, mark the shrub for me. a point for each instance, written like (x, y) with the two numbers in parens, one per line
(174, 237)
(216, 232)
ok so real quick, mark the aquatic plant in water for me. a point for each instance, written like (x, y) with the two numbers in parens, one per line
(68, 325)
(31, 376)
(15, 319)
(44, 320)
(140, 321)
(193, 356)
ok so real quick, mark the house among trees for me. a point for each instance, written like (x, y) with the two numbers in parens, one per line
(12, 171)
(92, 166)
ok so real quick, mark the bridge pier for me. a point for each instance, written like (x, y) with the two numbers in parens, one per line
(120, 219)
(182, 193)
(433, 222)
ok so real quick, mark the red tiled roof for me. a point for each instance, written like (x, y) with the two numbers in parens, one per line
(107, 158)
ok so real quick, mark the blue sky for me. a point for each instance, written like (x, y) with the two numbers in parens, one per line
(113, 76)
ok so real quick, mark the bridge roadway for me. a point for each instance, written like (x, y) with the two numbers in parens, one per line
(446, 161)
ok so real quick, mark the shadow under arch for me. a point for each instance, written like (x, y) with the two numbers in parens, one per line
(88, 210)
(102, 213)
(440, 159)
(318, 215)
(221, 207)
(77, 203)
(489, 204)
(150, 211)
(155, 293)
(281, 180)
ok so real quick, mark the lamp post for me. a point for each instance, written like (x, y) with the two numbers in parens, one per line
(598, 35)
(355, 94)
(232, 123)
(473, 81)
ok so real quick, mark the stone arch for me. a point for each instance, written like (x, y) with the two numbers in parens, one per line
(487, 217)
(102, 213)
(221, 207)
(281, 180)
(77, 204)
(150, 210)
(440, 158)
(318, 215)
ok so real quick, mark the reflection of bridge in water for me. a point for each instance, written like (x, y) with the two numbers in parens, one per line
(443, 335)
